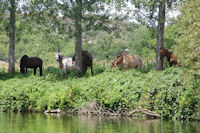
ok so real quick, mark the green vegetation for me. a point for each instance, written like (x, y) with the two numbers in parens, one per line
(34, 41)
(170, 92)
(173, 92)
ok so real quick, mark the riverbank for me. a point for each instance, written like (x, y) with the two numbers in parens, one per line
(172, 93)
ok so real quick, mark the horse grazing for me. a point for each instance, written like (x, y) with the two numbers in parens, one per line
(86, 61)
(171, 58)
(64, 63)
(128, 61)
(30, 62)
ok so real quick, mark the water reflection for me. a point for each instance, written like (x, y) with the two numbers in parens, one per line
(40, 123)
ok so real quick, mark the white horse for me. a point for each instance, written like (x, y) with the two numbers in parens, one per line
(64, 63)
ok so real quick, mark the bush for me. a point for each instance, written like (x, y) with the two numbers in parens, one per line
(173, 92)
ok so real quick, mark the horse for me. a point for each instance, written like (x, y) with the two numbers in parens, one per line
(87, 61)
(128, 61)
(64, 63)
(30, 62)
(171, 58)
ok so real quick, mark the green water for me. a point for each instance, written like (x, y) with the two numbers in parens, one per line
(41, 123)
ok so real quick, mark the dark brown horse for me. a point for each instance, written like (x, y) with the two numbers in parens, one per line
(171, 58)
(128, 61)
(30, 62)
(86, 61)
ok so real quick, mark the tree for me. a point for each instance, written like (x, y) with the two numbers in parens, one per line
(75, 16)
(12, 37)
(160, 34)
(8, 9)
(5, 7)
(78, 36)
(148, 9)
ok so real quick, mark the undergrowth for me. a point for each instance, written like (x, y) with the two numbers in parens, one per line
(173, 93)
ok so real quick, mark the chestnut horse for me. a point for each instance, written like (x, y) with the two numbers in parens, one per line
(128, 61)
(30, 62)
(171, 58)
(86, 61)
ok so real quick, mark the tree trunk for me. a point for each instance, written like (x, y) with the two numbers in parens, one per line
(160, 36)
(11, 68)
(78, 37)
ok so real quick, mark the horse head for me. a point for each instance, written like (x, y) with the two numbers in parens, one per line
(58, 56)
(114, 64)
(23, 63)
(22, 69)
(163, 52)
(170, 57)
(117, 61)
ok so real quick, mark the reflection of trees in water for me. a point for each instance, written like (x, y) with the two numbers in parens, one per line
(39, 123)
(127, 125)
(82, 124)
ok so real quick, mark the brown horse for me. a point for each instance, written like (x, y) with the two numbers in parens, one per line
(171, 58)
(30, 62)
(86, 61)
(128, 61)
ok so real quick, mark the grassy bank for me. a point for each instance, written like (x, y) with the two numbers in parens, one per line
(173, 93)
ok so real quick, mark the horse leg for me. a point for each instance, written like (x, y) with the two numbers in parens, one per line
(138, 67)
(26, 69)
(170, 64)
(61, 73)
(40, 70)
(91, 70)
(123, 67)
(35, 70)
(85, 70)
(65, 72)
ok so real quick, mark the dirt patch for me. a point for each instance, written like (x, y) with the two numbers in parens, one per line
(3, 64)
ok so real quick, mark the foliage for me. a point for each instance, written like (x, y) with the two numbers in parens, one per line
(172, 95)
(188, 48)
(137, 41)
(36, 40)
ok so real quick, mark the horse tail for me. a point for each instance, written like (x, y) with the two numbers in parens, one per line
(88, 60)
(41, 63)
(141, 62)
(41, 70)
(91, 67)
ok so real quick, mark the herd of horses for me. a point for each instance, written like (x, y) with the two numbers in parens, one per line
(124, 60)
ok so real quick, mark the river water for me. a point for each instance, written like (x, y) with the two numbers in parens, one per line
(41, 123)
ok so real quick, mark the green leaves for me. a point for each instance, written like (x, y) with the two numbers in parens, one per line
(188, 40)
(172, 92)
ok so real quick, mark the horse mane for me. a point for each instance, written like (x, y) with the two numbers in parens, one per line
(60, 56)
(25, 56)
(121, 54)
(23, 60)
